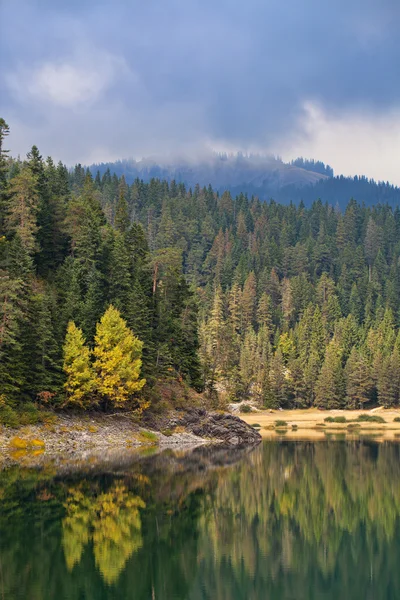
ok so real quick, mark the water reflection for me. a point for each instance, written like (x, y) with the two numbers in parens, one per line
(289, 520)
(110, 520)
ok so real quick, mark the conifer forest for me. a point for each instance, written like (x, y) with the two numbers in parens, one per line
(108, 289)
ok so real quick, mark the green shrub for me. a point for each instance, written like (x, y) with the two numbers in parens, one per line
(29, 414)
(335, 420)
(9, 417)
(280, 423)
(396, 419)
(371, 419)
(256, 425)
(294, 426)
(167, 432)
(148, 437)
(245, 408)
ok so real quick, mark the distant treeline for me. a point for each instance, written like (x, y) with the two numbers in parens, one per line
(316, 166)
(252, 176)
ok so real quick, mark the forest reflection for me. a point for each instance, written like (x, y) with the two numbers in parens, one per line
(287, 520)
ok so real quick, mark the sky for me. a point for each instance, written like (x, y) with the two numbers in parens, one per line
(98, 80)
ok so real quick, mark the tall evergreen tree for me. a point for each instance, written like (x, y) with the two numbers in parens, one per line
(330, 386)
(359, 382)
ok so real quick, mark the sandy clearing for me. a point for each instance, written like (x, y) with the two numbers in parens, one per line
(311, 425)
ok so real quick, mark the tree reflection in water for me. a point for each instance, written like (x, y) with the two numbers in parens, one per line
(110, 520)
(288, 520)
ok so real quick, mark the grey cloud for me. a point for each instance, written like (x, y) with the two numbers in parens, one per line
(192, 73)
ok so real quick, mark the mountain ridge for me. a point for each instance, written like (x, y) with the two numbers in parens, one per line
(266, 177)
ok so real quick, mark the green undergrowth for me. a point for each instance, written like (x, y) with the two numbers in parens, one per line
(147, 437)
(21, 415)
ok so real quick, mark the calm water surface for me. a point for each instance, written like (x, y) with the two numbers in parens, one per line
(288, 520)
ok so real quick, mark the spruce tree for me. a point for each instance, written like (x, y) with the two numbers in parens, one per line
(279, 382)
(122, 220)
(11, 317)
(21, 216)
(249, 300)
(330, 386)
(4, 132)
(359, 382)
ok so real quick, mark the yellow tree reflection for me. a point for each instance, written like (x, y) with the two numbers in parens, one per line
(110, 520)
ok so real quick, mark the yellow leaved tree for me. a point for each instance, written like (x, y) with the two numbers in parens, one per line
(117, 359)
(80, 383)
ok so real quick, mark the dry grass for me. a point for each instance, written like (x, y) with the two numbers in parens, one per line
(308, 423)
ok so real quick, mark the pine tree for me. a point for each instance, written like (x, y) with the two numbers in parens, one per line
(330, 386)
(372, 243)
(93, 302)
(278, 381)
(39, 344)
(234, 308)
(117, 353)
(120, 279)
(359, 382)
(388, 380)
(22, 211)
(287, 302)
(355, 303)
(248, 360)
(80, 382)
(298, 383)
(11, 315)
(311, 371)
(249, 300)
(4, 132)
(318, 335)
(52, 237)
(264, 312)
(122, 220)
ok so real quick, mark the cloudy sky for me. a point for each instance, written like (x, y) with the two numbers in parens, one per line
(97, 80)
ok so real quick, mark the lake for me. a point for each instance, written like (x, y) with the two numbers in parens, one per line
(286, 520)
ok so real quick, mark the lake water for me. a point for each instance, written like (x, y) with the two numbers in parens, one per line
(288, 520)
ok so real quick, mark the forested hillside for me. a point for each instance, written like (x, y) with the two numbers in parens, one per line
(261, 176)
(66, 263)
(288, 305)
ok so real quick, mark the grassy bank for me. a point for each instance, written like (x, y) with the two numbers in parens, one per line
(315, 424)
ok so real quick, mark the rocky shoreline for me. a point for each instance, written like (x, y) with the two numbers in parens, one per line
(85, 435)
